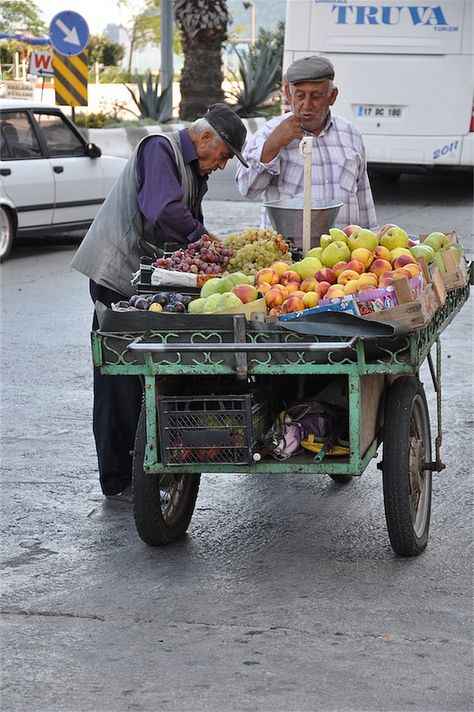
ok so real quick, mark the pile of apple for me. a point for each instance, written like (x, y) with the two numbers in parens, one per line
(348, 261)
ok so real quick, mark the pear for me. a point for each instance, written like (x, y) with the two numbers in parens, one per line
(212, 286)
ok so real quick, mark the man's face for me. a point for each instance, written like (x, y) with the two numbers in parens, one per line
(310, 102)
(212, 153)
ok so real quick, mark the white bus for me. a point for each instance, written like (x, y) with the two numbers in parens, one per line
(404, 69)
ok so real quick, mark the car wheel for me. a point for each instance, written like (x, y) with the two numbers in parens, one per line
(6, 233)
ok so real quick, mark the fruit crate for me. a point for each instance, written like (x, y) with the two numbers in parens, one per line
(218, 429)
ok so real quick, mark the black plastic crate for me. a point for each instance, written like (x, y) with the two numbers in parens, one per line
(217, 429)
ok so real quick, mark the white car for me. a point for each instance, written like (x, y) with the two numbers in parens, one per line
(51, 179)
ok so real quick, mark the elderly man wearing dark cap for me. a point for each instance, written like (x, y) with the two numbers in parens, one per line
(156, 199)
(275, 167)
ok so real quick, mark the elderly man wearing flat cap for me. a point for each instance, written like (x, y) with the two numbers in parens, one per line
(275, 167)
(156, 199)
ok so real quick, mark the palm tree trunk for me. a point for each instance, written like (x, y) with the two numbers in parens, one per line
(202, 76)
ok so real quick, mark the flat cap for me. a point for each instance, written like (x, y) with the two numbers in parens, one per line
(310, 69)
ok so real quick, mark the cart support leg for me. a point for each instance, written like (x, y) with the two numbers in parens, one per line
(438, 465)
(151, 454)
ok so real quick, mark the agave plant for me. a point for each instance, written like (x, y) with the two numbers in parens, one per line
(259, 69)
(150, 102)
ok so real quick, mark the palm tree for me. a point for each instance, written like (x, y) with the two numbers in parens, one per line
(203, 24)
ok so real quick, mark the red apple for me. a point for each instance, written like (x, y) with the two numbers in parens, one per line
(350, 228)
(326, 274)
(245, 292)
(403, 260)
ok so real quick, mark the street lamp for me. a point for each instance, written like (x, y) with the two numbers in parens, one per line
(251, 6)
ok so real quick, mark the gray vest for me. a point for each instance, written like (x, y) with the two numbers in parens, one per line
(110, 252)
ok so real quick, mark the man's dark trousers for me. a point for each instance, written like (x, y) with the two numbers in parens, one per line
(117, 404)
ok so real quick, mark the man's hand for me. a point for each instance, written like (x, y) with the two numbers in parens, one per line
(286, 132)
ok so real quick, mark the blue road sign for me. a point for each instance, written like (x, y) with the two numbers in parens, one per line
(68, 32)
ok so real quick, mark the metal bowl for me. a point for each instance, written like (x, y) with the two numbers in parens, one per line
(286, 217)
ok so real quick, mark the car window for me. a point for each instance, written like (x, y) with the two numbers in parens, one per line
(59, 138)
(18, 139)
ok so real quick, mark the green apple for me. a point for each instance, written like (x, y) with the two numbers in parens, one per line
(438, 261)
(315, 252)
(362, 238)
(457, 252)
(423, 251)
(438, 241)
(196, 306)
(229, 300)
(307, 267)
(337, 251)
(394, 237)
(337, 235)
(325, 240)
(212, 286)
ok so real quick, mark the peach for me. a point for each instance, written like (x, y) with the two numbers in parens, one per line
(281, 288)
(326, 274)
(413, 269)
(356, 265)
(292, 286)
(385, 281)
(293, 304)
(402, 272)
(310, 284)
(279, 267)
(347, 275)
(276, 311)
(310, 299)
(367, 279)
(245, 292)
(335, 290)
(366, 288)
(274, 297)
(363, 255)
(380, 266)
(403, 260)
(338, 268)
(289, 276)
(263, 287)
(267, 274)
(351, 287)
(298, 294)
(323, 288)
(382, 253)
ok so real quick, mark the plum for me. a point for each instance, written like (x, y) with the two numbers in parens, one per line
(159, 298)
(141, 303)
(133, 299)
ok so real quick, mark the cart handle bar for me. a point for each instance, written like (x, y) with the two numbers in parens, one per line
(248, 347)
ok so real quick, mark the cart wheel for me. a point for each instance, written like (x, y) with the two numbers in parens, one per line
(406, 485)
(162, 504)
(341, 479)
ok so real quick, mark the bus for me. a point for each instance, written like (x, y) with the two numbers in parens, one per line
(404, 69)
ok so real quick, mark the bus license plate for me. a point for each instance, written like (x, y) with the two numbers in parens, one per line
(378, 112)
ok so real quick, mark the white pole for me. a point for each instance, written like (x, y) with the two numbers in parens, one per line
(306, 150)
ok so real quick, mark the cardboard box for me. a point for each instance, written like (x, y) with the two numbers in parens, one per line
(414, 314)
(453, 275)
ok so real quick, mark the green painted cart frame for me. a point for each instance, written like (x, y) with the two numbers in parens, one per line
(382, 376)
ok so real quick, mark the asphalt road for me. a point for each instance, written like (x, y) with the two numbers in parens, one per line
(284, 596)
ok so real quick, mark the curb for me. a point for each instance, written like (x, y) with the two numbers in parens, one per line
(121, 141)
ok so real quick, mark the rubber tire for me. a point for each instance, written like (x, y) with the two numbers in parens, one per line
(7, 233)
(406, 403)
(151, 525)
(341, 479)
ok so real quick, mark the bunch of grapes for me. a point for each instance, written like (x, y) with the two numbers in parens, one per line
(205, 256)
(254, 249)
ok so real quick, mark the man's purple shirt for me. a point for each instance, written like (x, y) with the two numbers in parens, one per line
(160, 197)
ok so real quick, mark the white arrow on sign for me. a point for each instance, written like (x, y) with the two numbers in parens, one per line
(70, 35)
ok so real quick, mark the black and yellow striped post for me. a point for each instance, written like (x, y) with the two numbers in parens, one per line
(70, 79)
